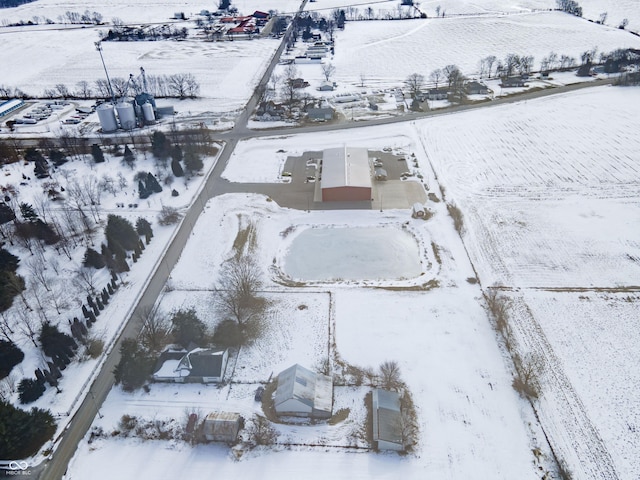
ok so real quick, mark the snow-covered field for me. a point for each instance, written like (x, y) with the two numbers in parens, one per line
(421, 46)
(549, 190)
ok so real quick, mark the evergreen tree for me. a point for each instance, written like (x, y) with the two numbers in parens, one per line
(54, 342)
(135, 365)
(176, 158)
(120, 232)
(96, 153)
(23, 433)
(32, 154)
(143, 227)
(142, 190)
(128, 158)
(10, 356)
(41, 168)
(30, 390)
(192, 161)
(188, 328)
(176, 168)
(28, 213)
(8, 261)
(11, 285)
(93, 259)
(160, 145)
(6, 213)
(57, 157)
(152, 183)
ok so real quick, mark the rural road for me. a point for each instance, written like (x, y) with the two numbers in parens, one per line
(66, 444)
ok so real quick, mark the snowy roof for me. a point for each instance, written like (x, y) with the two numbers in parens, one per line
(387, 419)
(9, 105)
(311, 389)
(345, 167)
(199, 362)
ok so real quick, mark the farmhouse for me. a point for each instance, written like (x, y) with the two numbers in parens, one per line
(437, 94)
(320, 114)
(303, 393)
(222, 427)
(346, 175)
(511, 82)
(477, 88)
(387, 420)
(204, 365)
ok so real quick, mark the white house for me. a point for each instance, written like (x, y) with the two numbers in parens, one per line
(387, 420)
(303, 393)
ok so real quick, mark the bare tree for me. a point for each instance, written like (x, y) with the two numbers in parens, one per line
(328, 70)
(390, 375)
(490, 61)
(37, 269)
(530, 370)
(436, 76)
(237, 289)
(414, 83)
(603, 18)
(261, 432)
(86, 279)
(27, 325)
(289, 92)
(83, 89)
(156, 329)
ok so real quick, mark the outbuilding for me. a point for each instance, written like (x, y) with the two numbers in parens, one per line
(346, 175)
(222, 427)
(387, 420)
(10, 105)
(303, 393)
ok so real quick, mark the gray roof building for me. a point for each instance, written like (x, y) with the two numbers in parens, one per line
(303, 393)
(387, 420)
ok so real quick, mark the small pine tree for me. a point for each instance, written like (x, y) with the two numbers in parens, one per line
(120, 233)
(96, 153)
(99, 303)
(160, 145)
(93, 259)
(28, 213)
(10, 356)
(152, 183)
(57, 157)
(176, 168)
(129, 158)
(30, 390)
(192, 161)
(143, 227)
(142, 190)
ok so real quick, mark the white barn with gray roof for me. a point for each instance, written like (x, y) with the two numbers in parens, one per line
(303, 393)
(346, 175)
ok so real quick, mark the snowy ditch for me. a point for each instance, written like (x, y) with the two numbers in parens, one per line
(332, 254)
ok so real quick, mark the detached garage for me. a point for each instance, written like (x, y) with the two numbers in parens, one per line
(346, 175)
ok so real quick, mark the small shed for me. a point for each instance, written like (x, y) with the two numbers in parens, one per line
(381, 174)
(418, 210)
(387, 420)
(326, 86)
(222, 427)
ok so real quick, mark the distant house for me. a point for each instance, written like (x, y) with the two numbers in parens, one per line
(269, 112)
(303, 393)
(298, 83)
(203, 365)
(320, 114)
(387, 420)
(222, 427)
(437, 94)
(512, 82)
(476, 88)
(326, 87)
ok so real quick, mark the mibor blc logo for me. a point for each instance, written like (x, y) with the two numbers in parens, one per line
(14, 467)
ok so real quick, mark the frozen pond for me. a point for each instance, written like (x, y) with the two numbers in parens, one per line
(366, 253)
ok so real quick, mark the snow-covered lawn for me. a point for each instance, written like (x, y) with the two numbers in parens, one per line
(472, 424)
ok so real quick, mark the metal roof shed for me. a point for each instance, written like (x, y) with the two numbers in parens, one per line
(303, 393)
(387, 420)
(346, 175)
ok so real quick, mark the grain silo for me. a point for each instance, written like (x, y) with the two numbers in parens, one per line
(107, 117)
(147, 112)
(127, 115)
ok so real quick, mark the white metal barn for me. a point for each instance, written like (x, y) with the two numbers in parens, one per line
(303, 393)
(346, 175)
(387, 420)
